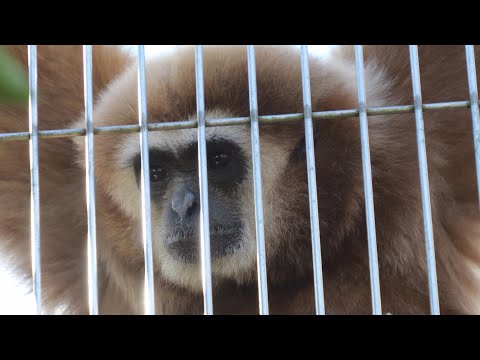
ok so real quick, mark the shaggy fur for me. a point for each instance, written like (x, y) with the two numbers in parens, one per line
(171, 97)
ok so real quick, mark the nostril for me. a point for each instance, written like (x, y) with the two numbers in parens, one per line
(182, 202)
(191, 209)
(189, 200)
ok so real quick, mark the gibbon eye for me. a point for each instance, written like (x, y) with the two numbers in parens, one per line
(219, 161)
(157, 174)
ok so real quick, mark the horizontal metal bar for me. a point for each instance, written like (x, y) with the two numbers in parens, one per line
(266, 119)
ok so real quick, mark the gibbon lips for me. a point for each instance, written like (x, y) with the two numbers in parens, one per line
(184, 243)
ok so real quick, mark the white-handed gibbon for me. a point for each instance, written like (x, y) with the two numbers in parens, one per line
(175, 193)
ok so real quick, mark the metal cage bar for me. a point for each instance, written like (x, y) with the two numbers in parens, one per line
(203, 185)
(34, 176)
(257, 184)
(473, 89)
(312, 184)
(367, 183)
(424, 185)
(149, 294)
(265, 119)
(90, 183)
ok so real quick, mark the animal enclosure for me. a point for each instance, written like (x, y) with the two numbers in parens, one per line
(308, 117)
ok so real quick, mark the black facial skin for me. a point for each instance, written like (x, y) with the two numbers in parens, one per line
(174, 188)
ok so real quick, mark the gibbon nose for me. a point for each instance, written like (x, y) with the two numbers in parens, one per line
(183, 201)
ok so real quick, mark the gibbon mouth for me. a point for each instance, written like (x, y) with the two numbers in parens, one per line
(184, 243)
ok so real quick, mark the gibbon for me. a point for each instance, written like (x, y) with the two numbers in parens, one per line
(175, 193)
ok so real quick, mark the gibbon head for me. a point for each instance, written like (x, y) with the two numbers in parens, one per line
(175, 200)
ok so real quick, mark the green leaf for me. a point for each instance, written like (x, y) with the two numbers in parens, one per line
(13, 79)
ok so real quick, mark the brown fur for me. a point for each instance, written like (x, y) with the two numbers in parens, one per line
(171, 90)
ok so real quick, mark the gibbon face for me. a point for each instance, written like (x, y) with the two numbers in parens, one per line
(175, 200)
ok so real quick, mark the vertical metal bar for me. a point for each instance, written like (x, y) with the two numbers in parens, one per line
(424, 185)
(257, 184)
(90, 183)
(149, 295)
(472, 85)
(367, 183)
(34, 177)
(203, 184)
(312, 185)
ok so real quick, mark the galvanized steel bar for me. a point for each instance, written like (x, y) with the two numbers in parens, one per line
(203, 185)
(34, 178)
(265, 119)
(257, 184)
(312, 185)
(149, 294)
(367, 183)
(90, 183)
(473, 89)
(425, 188)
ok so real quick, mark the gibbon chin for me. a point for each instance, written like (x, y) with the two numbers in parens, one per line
(175, 201)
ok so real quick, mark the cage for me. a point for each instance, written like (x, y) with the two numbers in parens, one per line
(200, 123)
